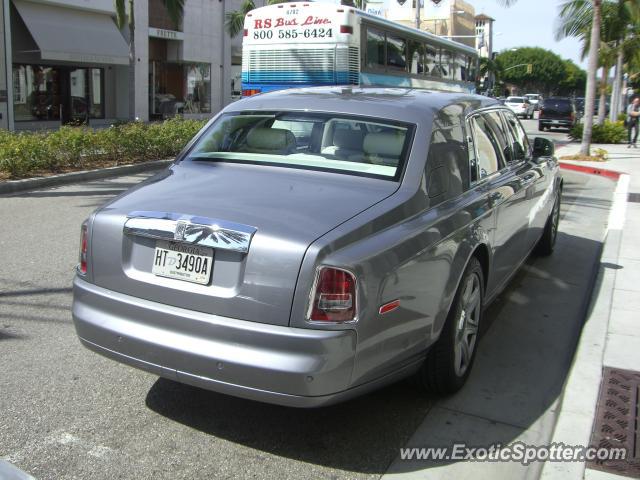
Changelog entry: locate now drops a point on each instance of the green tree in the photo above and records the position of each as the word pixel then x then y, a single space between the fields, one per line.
pixel 574 80
pixel 125 14
pixel 548 69
pixel 491 70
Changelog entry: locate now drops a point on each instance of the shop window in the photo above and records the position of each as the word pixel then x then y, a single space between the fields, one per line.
pixel 46 93
pixel 179 88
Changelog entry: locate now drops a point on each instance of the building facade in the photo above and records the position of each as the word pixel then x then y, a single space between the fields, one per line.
pixel 447 18
pixel 68 63
pixel 484 35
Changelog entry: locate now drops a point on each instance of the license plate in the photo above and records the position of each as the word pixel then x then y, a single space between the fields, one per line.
pixel 555 121
pixel 179 261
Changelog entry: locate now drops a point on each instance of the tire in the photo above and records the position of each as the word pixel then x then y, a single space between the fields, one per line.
pixel 447 366
pixel 548 239
pixel 540 128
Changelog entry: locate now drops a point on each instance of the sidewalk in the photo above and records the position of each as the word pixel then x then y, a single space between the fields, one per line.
pixel 611 334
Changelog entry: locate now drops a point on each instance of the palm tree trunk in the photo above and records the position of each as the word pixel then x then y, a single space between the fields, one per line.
pixel 132 63
pixel 602 106
pixel 617 87
pixel 585 146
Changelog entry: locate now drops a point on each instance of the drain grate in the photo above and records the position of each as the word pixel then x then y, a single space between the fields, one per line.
pixel 633 197
pixel 616 423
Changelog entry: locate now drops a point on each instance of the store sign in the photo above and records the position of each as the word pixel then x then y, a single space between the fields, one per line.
pixel 166 34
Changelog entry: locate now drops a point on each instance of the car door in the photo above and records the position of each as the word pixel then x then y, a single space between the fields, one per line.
pixel 534 177
pixel 497 174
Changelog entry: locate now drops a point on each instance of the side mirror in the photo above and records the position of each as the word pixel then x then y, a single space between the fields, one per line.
pixel 543 147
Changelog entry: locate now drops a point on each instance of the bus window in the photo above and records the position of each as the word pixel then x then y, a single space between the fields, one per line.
pixel 430 61
pixel 444 63
pixel 375 48
pixel 396 53
pixel 416 57
pixel 461 66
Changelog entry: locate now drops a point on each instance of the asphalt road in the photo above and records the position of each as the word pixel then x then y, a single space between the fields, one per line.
pixel 68 413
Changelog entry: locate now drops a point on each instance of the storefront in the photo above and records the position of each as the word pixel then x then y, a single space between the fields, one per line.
pixel 62 59
pixel 175 87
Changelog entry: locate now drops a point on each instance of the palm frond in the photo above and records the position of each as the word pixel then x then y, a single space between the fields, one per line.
pixel 121 12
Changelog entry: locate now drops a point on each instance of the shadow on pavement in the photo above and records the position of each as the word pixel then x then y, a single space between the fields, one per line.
pixel 361 435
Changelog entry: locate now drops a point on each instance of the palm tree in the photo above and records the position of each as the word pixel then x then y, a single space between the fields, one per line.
pixel 592 64
pixel 490 68
pixel 234 21
pixel 125 14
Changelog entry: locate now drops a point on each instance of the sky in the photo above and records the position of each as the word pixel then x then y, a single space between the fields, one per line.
pixel 529 23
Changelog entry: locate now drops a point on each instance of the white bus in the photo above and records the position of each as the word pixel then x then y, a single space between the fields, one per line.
pixel 307 44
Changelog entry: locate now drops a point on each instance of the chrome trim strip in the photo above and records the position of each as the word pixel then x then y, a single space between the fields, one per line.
pixel 180 227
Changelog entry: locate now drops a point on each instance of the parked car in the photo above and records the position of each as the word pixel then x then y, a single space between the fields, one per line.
pixel 311 245
pixel 557 112
pixel 520 106
pixel 534 99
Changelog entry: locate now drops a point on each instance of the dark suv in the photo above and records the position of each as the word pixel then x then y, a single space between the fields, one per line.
pixel 557 112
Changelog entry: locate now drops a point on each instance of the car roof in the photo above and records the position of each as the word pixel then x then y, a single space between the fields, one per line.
pixel 402 104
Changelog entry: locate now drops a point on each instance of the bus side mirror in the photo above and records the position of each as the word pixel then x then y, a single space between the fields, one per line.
pixel 543 147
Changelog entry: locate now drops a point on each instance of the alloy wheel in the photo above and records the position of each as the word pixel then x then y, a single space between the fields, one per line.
pixel 467 324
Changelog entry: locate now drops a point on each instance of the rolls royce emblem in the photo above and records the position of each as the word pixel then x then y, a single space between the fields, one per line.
pixel 181 226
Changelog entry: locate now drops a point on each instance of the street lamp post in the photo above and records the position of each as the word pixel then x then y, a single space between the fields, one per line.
pixel 418 14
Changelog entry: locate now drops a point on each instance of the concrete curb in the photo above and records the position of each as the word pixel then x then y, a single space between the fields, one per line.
pixel 578 403
pixel 15 186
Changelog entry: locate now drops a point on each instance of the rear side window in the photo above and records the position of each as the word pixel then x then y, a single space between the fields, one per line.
pixel 487 145
pixel 520 147
pixel 447 169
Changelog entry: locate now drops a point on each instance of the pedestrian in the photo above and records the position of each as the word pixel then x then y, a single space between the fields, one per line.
pixel 633 112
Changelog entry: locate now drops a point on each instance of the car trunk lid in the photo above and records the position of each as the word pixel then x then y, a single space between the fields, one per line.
pixel 278 212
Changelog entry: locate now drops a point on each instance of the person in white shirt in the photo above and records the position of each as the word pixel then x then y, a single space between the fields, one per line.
pixel 633 112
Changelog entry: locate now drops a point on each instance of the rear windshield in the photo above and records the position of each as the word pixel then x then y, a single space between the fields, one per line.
pixel 317 141
pixel 515 100
pixel 558 103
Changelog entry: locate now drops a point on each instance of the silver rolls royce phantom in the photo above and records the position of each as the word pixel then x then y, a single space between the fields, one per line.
pixel 310 245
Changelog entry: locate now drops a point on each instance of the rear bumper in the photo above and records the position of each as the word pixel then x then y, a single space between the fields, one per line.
pixel 269 363
pixel 555 122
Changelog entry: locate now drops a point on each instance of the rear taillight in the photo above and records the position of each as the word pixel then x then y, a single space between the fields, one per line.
pixel 82 266
pixel 334 296
pixel 250 91
pixel 346 29
pixel 245 32
pixel 541 113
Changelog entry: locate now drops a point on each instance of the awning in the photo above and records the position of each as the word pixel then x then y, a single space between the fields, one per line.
pixel 71 35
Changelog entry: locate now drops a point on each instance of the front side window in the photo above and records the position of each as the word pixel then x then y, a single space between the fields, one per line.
pixel 521 149
pixel 375 48
pixel 316 141
pixel 487 146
